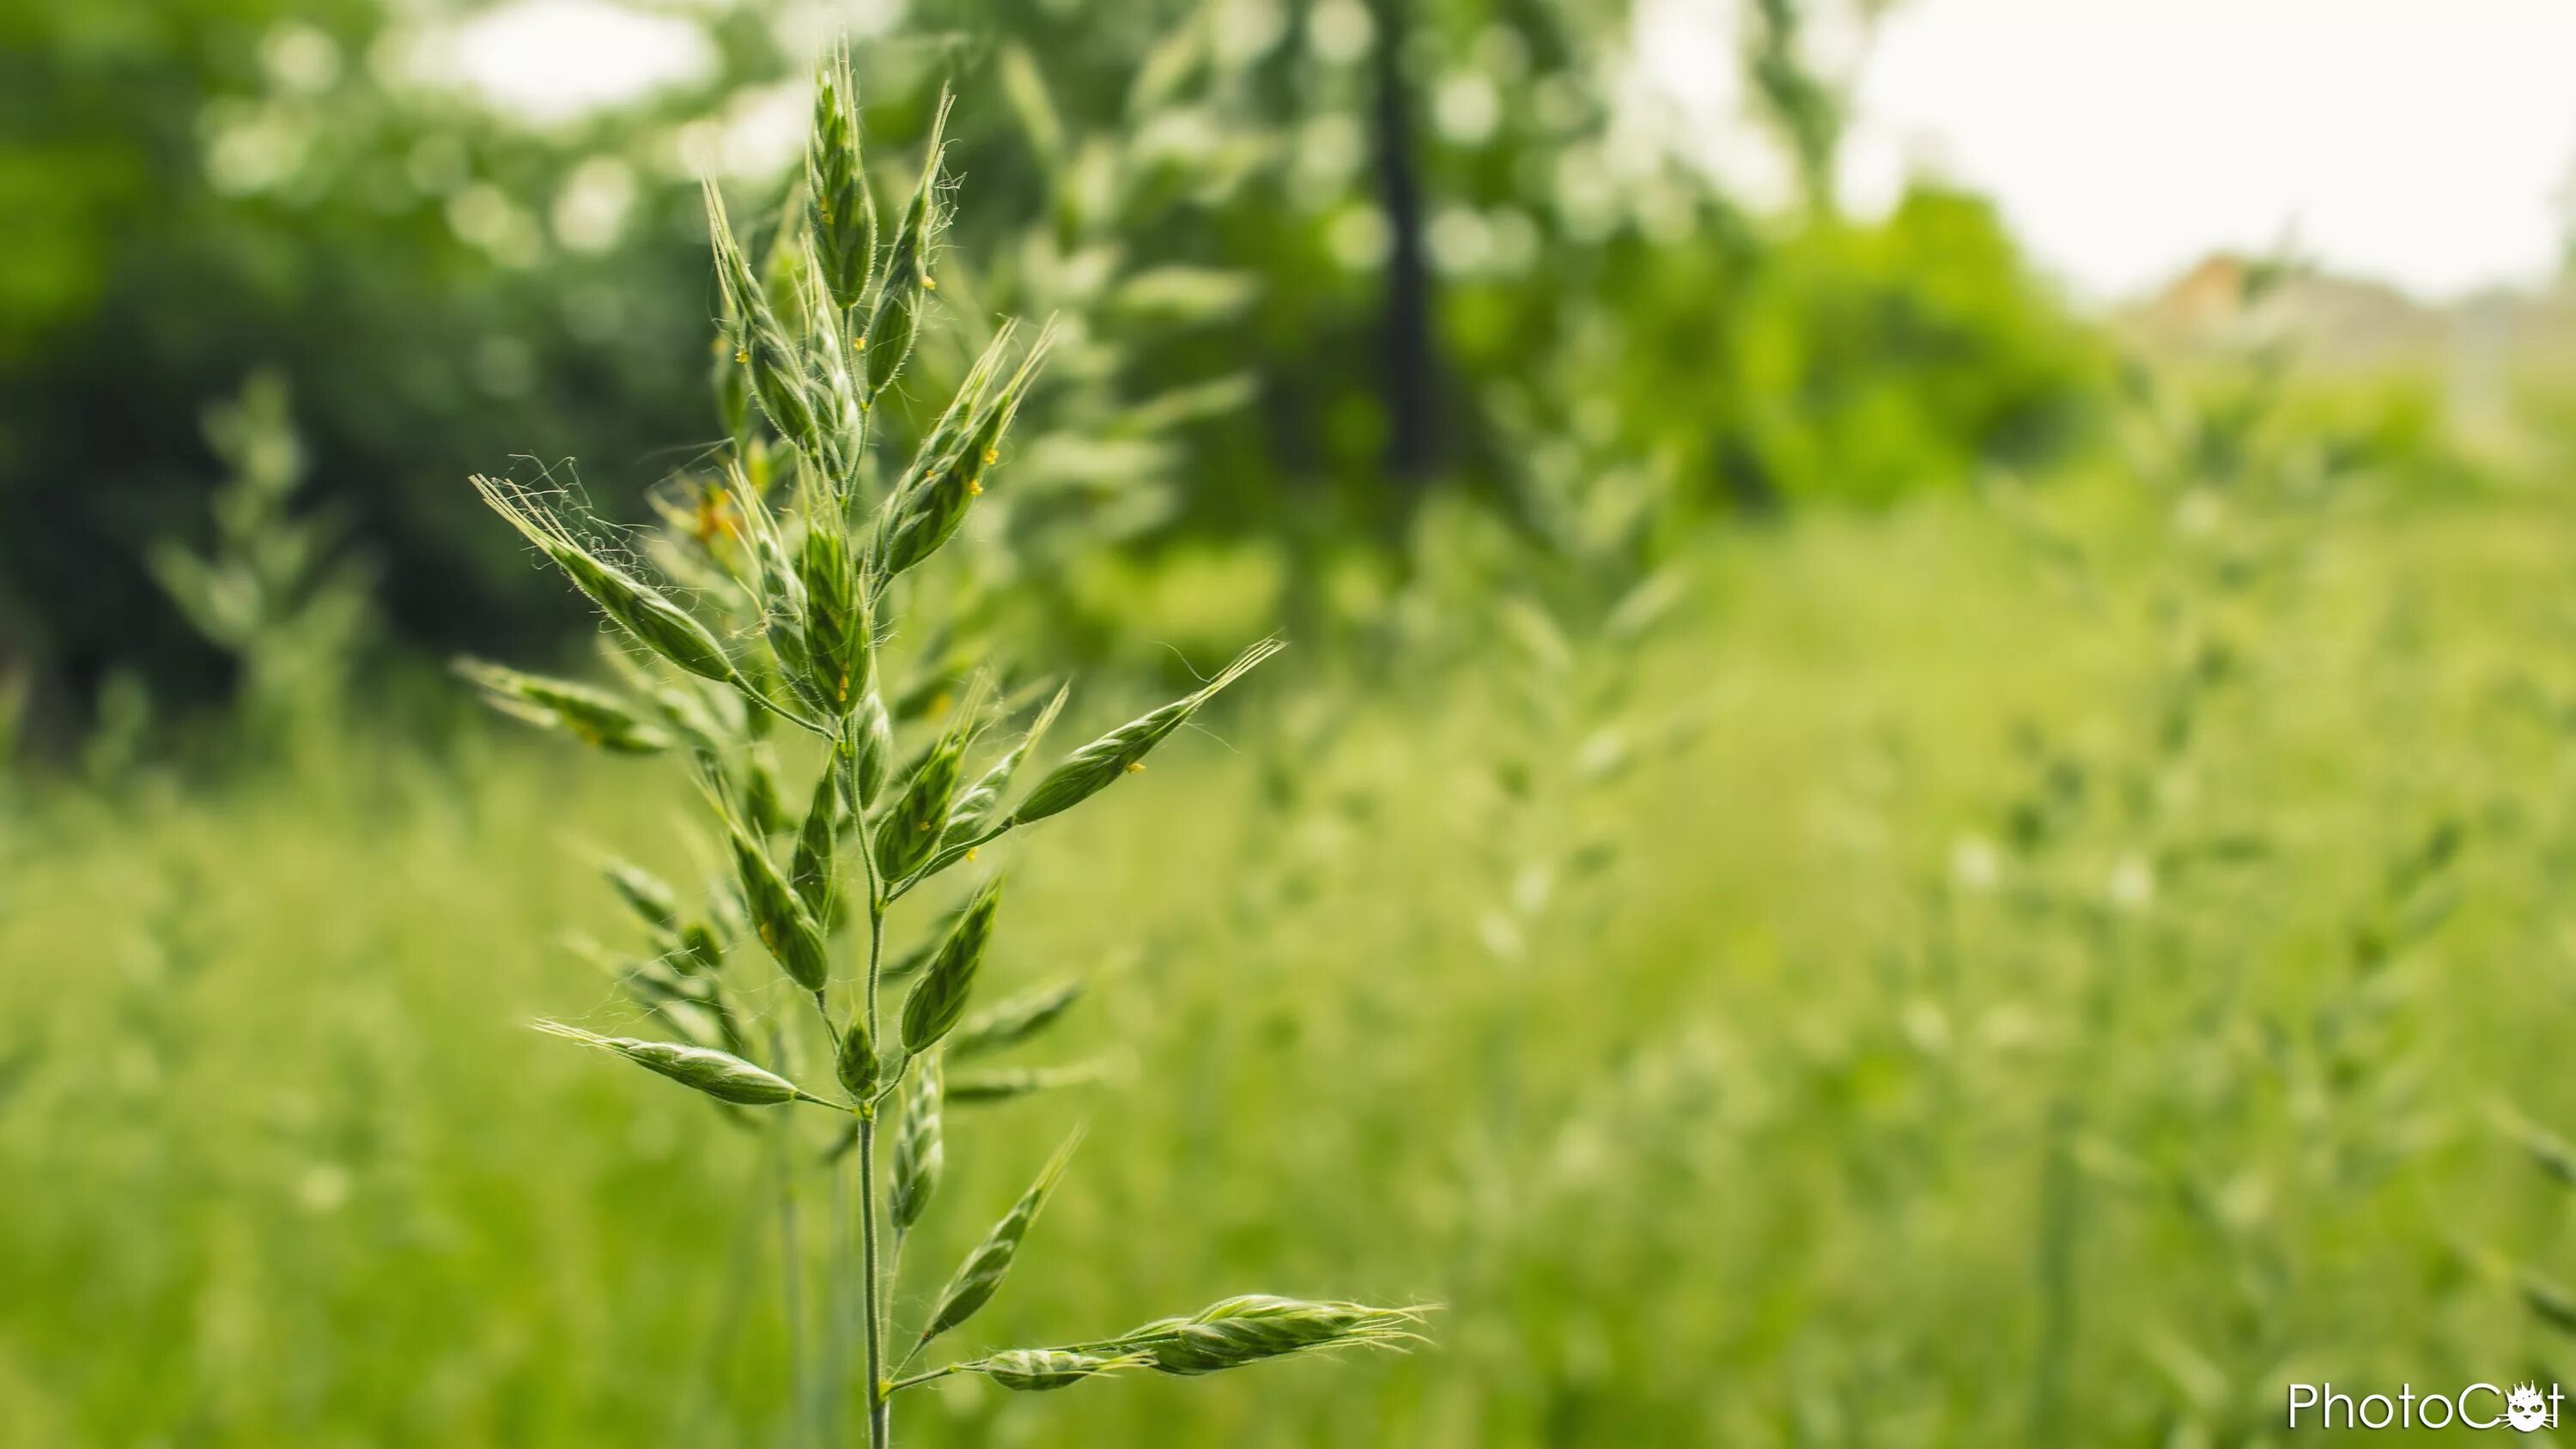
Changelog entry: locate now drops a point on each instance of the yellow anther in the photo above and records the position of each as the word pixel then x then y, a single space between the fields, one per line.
pixel 1135 767
pixel 974 489
pixel 930 284
pixel 742 354
pixel 971 852
pixel 992 456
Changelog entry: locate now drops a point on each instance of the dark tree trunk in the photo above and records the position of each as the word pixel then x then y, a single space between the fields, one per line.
pixel 1408 385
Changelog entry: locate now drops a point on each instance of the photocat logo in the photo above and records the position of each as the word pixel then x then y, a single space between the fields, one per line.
pixel 2479 1406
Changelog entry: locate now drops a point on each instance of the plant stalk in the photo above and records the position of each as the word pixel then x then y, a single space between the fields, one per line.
pixel 880 1411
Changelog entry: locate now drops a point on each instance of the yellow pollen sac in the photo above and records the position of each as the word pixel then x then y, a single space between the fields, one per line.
pixel 971 852
pixel 992 456
pixel 930 284
pixel 974 489
pixel 742 354
pixel 1135 767
pixel 857 342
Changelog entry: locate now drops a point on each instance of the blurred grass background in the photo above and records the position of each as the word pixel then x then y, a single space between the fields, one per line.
pixel 2050 934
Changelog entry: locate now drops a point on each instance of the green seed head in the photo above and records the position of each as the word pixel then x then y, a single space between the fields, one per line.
pixel 656 622
pixel 778 918
pixel 895 319
pixel 761 343
pixel 981 1275
pixel 839 628
pixel 814 871
pixel 1094 767
pixel 1248 1329
pixel 1014 1020
pixel 913 826
pixel 856 1061
pixel 592 716
pixel 975 808
pixel 938 1000
pixel 646 894
pixel 918 1151
pixel 1036 1370
pixel 720 1075
pixel 841 214
pixel 872 749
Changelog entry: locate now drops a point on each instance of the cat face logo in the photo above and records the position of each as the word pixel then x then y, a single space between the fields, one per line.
pixel 2525 1409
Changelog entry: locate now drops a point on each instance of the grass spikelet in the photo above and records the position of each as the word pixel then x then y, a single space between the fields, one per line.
pixel 1094 767
pixel 976 807
pixel 981 1275
pixel 902 287
pixel 841 212
pixel 761 343
pixel 778 917
pixel 656 622
pixel 993 1085
pixel 919 1150
pixel 721 1075
pixel 1014 1020
pixel 1259 1326
pixel 593 716
pixel 1037 1370
pixel 646 894
pixel 938 1000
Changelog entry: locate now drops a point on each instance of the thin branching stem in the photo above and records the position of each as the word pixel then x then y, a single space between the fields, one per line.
pixel 880 1412
pixel 926 1376
pixel 947 856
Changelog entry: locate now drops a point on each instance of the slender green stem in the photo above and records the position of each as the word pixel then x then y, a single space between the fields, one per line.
pixel 790 1269
pixel 880 1412
pixel 947 857
pixel 899 1385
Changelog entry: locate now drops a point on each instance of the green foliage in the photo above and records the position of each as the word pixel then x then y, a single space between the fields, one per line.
pixel 1931 939
pixel 820 576
pixel 272 592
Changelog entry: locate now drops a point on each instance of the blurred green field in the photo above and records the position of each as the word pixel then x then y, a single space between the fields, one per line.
pixel 2093 966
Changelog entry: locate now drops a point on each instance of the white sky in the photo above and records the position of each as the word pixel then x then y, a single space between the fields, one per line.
pixel 2424 142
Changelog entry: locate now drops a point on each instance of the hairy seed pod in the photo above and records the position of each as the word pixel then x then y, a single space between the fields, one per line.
pixel 1014 1020
pixel 778 918
pixel 975 808
pixel 720 1075
pixel 656 622
pixel 872 750
pixel 1246 1330
pixel 947 473
pixel 980 1276
pixel 812 872
pixel 919 1152
pixel 841 213
pixel 912 826
pixel 856 1061
pixel 732 387
pixel 1091 769
pixel 896 318
pixel 646 894
pixel 1036 1370
pixel 1008 1084
pixel 839 630
pixel 763 808
pixel 761 344
pixel 592 716
pixel 938 1000
pixel 701 947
